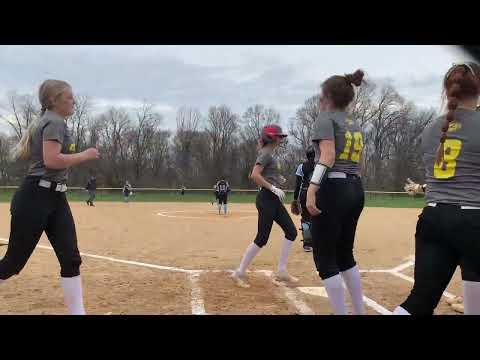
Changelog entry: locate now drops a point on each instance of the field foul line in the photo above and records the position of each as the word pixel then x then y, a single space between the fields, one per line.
pixel 291 295
pixel 197 303
pixel 129 262
pixel 410 279
pixel 376 306
pixel 403 266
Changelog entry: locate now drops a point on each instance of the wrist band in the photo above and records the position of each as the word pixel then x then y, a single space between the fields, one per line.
pixel 318 174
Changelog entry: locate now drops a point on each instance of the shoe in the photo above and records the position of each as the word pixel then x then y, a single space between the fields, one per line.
pixel 240 280
pixel 88 203
pixel 458 308
pixel 307 248
pixel 285 277
pixel 455 300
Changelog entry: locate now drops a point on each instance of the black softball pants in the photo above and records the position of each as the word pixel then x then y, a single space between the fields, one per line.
pixel 333 231
pixel 271 209
pixel 35 209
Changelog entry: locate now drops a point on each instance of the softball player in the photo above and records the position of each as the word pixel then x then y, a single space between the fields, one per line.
pixel 40 203
pixel 298 206
pixel 222 188
pixel 447 233
pixel 335 196
pixel 91 188
pixel 127 191
pixel 266 174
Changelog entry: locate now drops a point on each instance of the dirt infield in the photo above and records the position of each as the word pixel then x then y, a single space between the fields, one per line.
pixel 175 258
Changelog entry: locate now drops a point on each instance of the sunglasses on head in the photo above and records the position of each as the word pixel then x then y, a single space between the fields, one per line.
pixel 468 65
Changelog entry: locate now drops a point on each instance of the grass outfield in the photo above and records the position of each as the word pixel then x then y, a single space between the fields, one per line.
pixel 372 200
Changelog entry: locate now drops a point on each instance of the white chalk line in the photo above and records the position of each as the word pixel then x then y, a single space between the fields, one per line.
pixel 159 267
pixel 410 279
pixel 216 216
pixel 290 294
pixel 403 266
pixel 197 303
pixel 300 305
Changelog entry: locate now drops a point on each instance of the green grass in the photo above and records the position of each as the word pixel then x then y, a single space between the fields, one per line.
pixel 372 200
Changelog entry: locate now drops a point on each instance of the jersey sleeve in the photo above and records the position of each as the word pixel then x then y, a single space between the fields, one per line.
pixel 54 130
pixel 264 159
pixel 323 128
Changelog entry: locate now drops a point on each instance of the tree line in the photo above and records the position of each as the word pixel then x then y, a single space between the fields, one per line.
pixel 135 146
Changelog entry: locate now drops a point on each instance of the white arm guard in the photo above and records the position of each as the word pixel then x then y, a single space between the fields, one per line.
pixel 318 174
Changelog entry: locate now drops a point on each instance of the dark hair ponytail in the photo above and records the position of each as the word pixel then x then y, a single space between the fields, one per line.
pixel 340 90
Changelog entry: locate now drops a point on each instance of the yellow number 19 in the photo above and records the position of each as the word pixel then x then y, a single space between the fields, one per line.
pixel 446 169
pixel 357 146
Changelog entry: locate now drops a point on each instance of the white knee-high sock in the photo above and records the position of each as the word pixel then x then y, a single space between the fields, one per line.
pixel 282 264
pixel 250 253
pixel 471 297
pixel 400 311
pixel 351 277
pixel 336 294
pixel 72 289
pixel 219 207
pixel 225 209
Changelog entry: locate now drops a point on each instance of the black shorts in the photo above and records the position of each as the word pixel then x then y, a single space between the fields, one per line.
pixel 222 198
pixel 446 237
pixel 333 231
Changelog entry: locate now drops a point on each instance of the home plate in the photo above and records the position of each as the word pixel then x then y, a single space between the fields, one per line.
pixel 314 290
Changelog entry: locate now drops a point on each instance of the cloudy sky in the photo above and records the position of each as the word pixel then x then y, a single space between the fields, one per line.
pixel 282 77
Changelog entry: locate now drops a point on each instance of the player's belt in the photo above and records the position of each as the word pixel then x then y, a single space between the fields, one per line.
pixel 340 175
pixel 433 204
pixel 52 185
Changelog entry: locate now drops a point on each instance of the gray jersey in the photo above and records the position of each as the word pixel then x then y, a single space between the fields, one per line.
pixel 50 127
pixel 457 179
pixel 338 126
pixel 271 167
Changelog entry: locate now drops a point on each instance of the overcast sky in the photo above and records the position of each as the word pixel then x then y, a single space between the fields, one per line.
pixel 282 77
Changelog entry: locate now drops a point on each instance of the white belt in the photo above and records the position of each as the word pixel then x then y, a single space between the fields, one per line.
pixel 432 204
pixel 337 175
pixel 48 185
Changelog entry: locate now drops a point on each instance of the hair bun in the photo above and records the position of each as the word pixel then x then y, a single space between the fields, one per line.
pixel 355 78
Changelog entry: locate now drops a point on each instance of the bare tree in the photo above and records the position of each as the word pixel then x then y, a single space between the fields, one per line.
pixel 302 125
pixel 22 110
pixel 188 121
pixel 113 126
pixel 147 124
pixel 221 128
pixel 79 121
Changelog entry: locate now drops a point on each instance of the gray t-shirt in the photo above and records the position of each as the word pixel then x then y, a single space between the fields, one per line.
pixel 338 126
pixel 457 180
pixel 50 127
pixel 271 167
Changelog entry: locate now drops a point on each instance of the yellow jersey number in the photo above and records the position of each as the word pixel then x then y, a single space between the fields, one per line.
pixel 357 140
pixel 446 169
